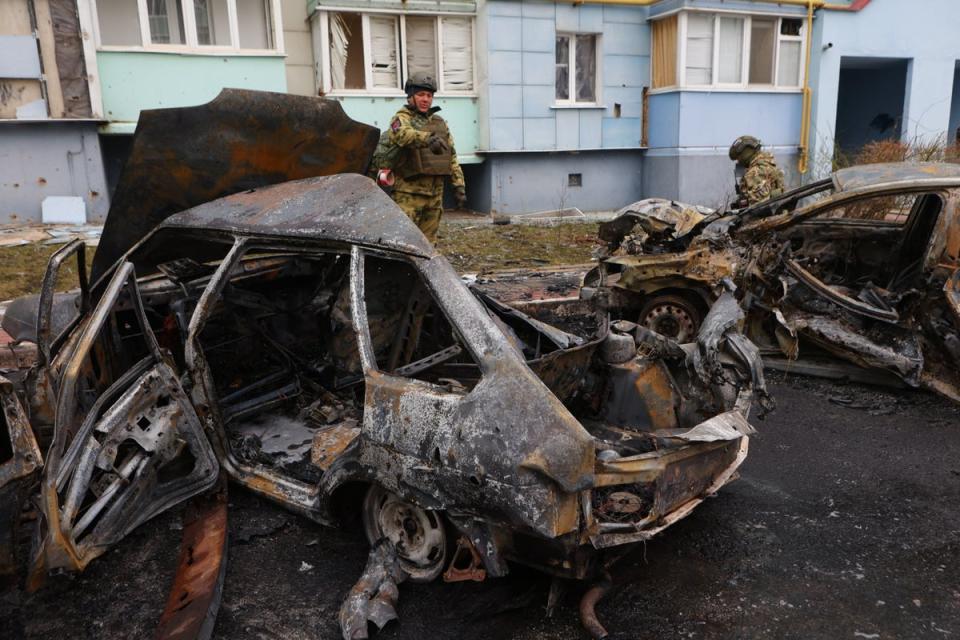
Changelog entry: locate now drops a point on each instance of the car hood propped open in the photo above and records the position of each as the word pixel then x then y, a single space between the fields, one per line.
pixel 183 157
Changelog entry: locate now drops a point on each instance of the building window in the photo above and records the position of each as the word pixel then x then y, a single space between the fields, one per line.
pixel 375 53
pixel 727 51
pixel 166 21
pixel 576 68
pixel 212 26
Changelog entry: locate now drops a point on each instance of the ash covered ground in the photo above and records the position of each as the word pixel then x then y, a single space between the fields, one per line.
pixel 845 524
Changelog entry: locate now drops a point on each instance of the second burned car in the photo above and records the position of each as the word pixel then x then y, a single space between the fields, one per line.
pixel 862 266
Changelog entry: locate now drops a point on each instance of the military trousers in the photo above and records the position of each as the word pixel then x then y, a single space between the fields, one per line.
pixel 424 209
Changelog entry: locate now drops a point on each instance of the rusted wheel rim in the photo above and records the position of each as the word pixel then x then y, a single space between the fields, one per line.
pixel 417 534
pixel 671 320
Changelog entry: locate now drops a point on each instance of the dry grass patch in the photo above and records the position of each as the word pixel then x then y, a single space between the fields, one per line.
pixel 488 247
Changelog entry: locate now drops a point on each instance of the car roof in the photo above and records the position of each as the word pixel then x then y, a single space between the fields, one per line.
pixel 896 173
pixel 346 208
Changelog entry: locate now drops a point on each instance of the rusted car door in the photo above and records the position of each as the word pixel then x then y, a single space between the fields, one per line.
pixel 127 443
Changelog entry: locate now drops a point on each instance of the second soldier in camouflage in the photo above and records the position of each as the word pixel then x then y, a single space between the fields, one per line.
pixel 762 179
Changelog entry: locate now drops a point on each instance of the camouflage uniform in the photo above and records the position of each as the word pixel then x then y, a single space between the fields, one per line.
pixel 419 172
pixel 762 179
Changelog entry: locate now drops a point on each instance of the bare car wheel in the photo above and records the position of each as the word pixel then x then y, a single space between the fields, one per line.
pixel 418 535
pixel 671 316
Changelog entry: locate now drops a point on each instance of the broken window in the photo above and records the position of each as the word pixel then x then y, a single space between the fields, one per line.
pixel 282 353
pixel 893 209
pixel 744 51
pixel 410 335
pixel 457 53
pixel 791 46
pixel 346 51
pixel 874 241
pixel 421 32
pixel 377 52
pixel 355 38
pixel 234 24
pixel 384 68
pixel 576 68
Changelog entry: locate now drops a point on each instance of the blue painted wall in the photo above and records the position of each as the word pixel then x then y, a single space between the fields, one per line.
pixel 923 32
pixel 714 119
pixel 520 113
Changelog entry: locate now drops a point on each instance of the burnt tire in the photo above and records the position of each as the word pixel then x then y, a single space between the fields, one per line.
pixel 671 315
pixel 419 535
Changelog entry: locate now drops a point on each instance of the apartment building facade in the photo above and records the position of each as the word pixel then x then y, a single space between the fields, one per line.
pixel 553 104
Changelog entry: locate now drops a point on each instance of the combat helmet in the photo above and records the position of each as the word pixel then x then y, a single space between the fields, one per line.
pixel 420 81
pixel 742 145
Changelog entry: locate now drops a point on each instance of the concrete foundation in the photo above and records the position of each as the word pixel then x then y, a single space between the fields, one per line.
pixel 528 182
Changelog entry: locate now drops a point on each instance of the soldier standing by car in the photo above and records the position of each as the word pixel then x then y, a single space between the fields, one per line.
pixel 426 158
pixel 762 179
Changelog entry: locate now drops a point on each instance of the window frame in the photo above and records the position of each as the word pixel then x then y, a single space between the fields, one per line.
pixel 744 85
pixel 361 320
pixel 321 42
pixel 191 44
pixel 572 101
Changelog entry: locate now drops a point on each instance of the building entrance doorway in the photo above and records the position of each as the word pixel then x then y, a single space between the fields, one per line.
pixel 870 102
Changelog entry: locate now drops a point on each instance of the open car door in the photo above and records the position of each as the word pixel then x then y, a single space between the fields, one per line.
pixel 127 443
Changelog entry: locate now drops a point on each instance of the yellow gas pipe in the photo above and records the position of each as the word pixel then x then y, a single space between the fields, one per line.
pixel 803 158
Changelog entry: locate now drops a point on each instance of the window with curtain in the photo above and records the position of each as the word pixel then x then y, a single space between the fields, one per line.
pixel 664 52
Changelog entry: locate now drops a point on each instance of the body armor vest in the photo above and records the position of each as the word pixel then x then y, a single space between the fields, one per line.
pixel 422 161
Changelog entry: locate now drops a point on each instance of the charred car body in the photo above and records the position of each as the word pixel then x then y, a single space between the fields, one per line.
pixel 863 265
pixel 306 340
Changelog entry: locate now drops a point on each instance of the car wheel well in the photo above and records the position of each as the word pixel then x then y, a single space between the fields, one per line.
pixel 346 503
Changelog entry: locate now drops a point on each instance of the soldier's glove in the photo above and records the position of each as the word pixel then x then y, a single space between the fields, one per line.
pixel 460 195
pixel 436 144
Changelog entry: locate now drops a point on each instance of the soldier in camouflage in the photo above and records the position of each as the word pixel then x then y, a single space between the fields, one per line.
pixel 426 157
pixel 762 179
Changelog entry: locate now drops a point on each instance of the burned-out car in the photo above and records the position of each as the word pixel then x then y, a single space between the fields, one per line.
pixel 306 341
pixel 862 266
